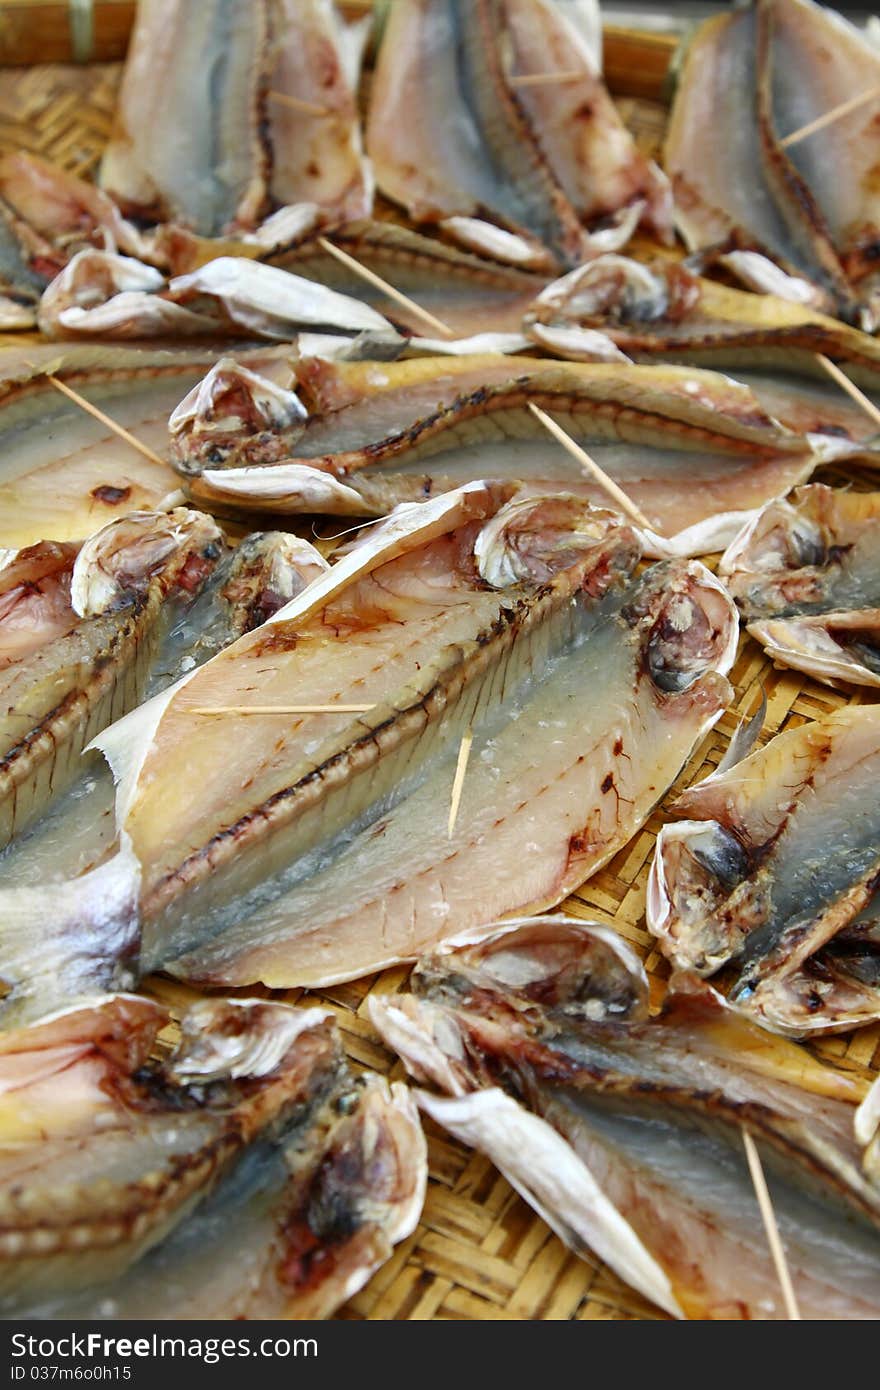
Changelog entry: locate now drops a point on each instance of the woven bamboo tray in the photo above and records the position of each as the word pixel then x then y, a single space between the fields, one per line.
pixel 479 1251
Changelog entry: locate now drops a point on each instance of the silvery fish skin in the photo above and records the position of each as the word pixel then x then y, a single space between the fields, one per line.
pixel 186 144
pixel 804 574
pixel 63 473
pixel 378 435
pixel 745 191
pixel 480 156
pixel 643 1117
pixel 85 665
pixel 246 587
pixel 665 311
pixel 805 85
pixel 744 881
pixel 252 1125
pixel 332 856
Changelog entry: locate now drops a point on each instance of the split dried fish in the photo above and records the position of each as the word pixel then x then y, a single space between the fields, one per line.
pixel 317 848
pixel 246 587
pixel 805 575
pixel 745 881
pixel 220 145
pixel 694 450
pixel 124 1179
pixel 317 155
pixel 467 292
pixel 757 74
pixel 63 473
pixel 625 1131
pixel 76 630
pixel 454 142
pixel 665 311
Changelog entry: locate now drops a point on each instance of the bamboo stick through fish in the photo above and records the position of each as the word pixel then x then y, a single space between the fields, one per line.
pixel 617 495
pixel 829 117
pixel 849 387
pixel 464 753
pixel 378 283
pixel 768 1216
pixel 282 709
pixel 537 79
pixel 310 108
pixel 105 419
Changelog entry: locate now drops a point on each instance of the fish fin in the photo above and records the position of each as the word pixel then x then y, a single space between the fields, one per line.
pixel 746 736
pixel 546 1171
pixel 92 931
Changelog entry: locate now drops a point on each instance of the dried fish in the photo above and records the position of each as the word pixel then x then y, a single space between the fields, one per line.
pixel 331 857
pixel 92 620
pixel 186 145
pixel 465 291
pixel 101 295
pixel 317 155
pixel 805 575
pixel 665 311
pixel 258 108
pixel 456 141
pixel 694 450
pixel 245 588
pixel 740 190
pixel 64 474
pixel 624 1131
pixel 253 1129
pixel 446 135
pixel 745 879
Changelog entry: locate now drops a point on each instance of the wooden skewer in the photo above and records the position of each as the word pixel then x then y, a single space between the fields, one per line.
pixel 281 709
pixel 768 1216
pixel 436 325
pixel 849 387
pixel 617 495
pixel 834 114
pixel 464 752
pixel 177 498
pixel 310 108
pixel 540 79
pixel 105 419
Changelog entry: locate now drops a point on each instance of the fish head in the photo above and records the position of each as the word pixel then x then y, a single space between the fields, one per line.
pixel 686 623
pixel 533 538
pixel 230 406
pixel 617 290
pixel 121 560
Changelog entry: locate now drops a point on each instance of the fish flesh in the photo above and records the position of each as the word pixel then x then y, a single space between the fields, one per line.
pixel 317 848
pixel 317 154
pixel 126 1174
pixel 257 109
pixel 741 191
pixel 694 450
pixel 511 170
pixel 448 138
pixel 624 1130
pixel 838 162
pixel 744 882
pixel 663 310
pixel 804 574
pixel 246 587
pixel 76 630
pixel 578 127
pixel 64 474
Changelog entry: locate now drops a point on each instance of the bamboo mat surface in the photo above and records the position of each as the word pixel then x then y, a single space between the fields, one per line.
pixel 479 1251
